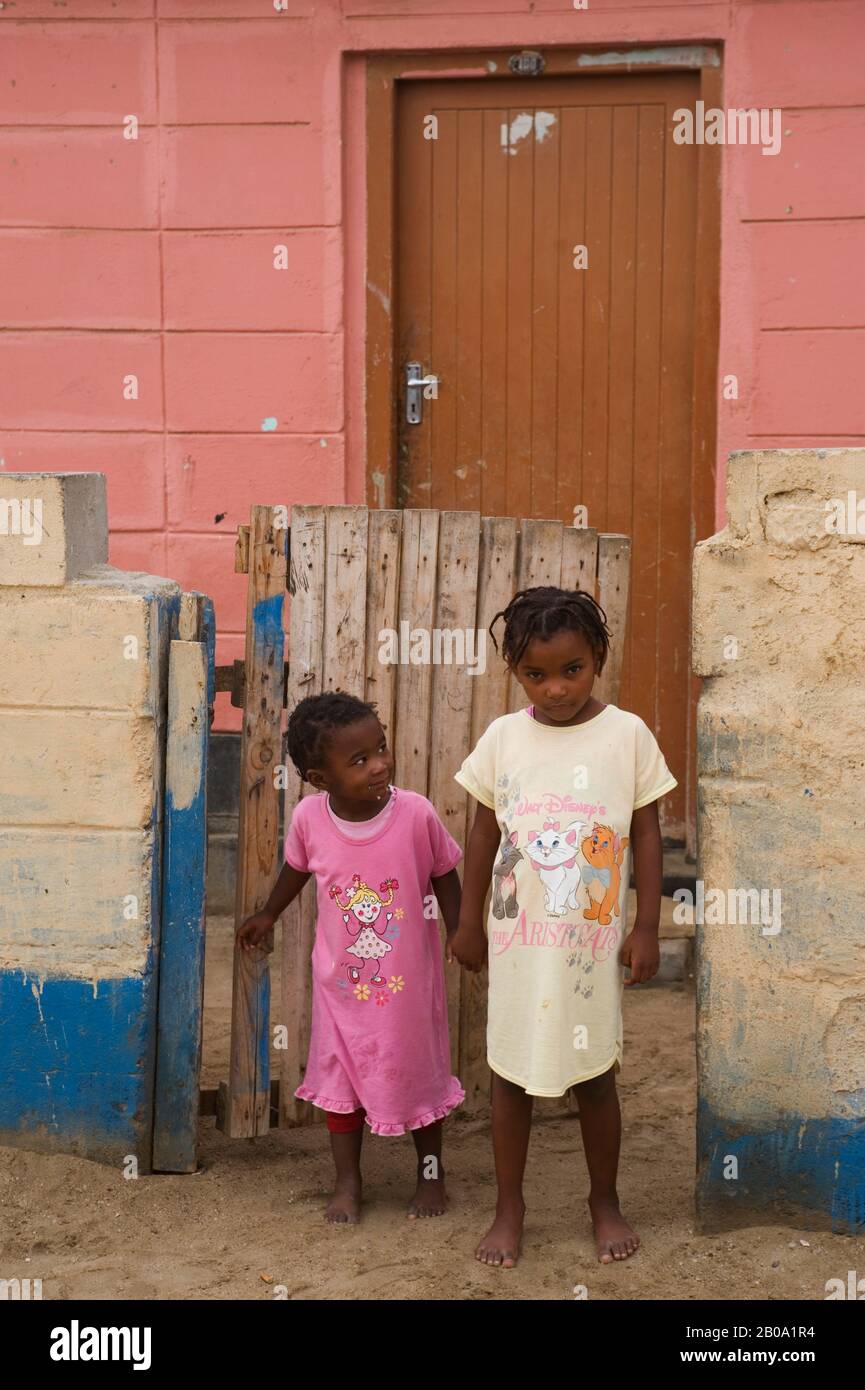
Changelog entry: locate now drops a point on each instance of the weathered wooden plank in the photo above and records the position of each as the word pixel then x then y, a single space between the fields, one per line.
pixel 345 600
pixel 595 391
pixel 449 721
pixel 494 316
pixel 573 292
pixel 181 946
pixel 417 581
pixel 468 456
pixel 246 1107
pixel 547 256
pixel 208 636
pixel 190 616
pixel 382 601
pixel 614 574
pixel 497 568
pixel 241 551
pixel 540 562
pixel 519 220
pixel 580 559
pixel 444 310
pixel 306 639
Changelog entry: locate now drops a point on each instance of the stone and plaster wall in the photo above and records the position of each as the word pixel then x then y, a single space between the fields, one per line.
pixel 82 734
pixel 779 636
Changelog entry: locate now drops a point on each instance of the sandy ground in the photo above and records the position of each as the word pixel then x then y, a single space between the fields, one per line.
pixel 255 1209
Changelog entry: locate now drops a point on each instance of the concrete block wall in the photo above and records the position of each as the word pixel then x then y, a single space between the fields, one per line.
pixel 779 636
pixel 82 735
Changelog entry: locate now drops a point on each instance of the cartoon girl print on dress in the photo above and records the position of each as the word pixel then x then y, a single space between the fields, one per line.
pixel 361 913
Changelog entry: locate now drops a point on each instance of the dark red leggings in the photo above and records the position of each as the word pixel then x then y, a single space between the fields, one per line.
pixel 344 1124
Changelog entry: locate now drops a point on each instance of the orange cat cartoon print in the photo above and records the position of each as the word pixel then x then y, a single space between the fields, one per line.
pixel 604 850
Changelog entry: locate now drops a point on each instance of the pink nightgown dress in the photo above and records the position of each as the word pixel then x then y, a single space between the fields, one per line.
pixel 379 1036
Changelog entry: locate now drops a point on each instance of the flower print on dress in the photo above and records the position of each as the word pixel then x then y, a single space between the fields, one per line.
pixel 396 983
pixel 360 913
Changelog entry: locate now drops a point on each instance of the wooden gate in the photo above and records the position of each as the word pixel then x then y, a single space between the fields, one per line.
pixel 353 574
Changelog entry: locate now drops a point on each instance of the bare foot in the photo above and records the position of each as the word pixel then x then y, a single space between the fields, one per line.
pixel 430 1198
pixel 501 1244
pixel 344 1206
pixel 615 1238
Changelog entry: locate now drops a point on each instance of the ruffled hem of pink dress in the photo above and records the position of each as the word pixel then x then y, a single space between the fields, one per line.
pixel 429 1117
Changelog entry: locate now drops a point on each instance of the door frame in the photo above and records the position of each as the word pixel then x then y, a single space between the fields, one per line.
pixel 383 72
pixel 382 75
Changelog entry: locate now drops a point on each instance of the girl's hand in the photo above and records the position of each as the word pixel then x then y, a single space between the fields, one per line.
pixel 640 950
pixel 469 946
pixel 254 931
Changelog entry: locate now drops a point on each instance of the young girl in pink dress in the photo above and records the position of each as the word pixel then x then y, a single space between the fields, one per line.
pixel 379 1048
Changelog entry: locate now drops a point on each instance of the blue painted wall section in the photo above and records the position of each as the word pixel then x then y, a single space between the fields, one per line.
pixel 267 626
pixel 815 1169
pixel 77 1073
pixel 78 1056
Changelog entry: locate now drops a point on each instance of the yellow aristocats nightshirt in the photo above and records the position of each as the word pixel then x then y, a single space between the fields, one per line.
pixel 563 798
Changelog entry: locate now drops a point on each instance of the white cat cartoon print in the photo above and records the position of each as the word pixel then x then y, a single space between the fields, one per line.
pixel 554 854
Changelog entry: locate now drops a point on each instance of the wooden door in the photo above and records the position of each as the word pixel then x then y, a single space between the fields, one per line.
pixel 546 244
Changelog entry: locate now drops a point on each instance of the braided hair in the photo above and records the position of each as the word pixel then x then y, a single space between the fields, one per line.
pixel 314 719
pixel 542 612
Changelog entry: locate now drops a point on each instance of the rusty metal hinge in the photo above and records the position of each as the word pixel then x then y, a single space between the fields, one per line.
pixel 241 551
pixel 232 678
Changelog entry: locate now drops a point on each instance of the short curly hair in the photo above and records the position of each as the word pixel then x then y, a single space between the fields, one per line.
pixel 542 612
pixel 313 720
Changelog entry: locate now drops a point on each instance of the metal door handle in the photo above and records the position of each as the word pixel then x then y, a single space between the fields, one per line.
pixel 415 390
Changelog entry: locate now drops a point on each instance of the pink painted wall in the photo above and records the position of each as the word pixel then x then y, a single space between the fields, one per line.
pixel 154 256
